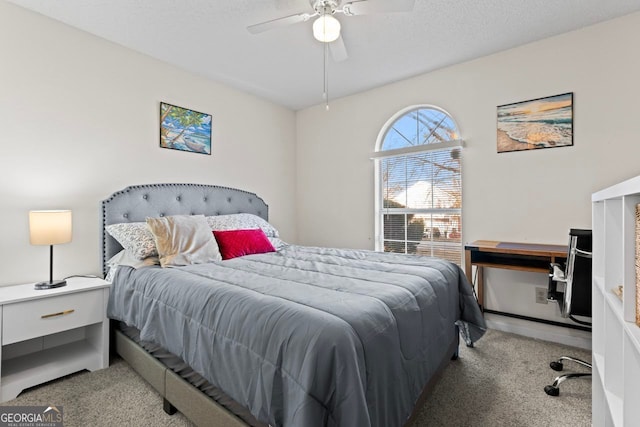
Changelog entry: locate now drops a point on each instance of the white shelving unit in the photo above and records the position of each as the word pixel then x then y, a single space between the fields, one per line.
pixel 616 337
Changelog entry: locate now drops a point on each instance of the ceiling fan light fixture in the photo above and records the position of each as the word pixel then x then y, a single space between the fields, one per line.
pixel 326 28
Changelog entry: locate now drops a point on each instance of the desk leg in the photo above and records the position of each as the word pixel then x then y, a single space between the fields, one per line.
pixel 468 270
pixel 467 266
pixel 480 285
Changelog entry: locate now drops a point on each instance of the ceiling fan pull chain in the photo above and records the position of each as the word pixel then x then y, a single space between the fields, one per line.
pixel 326 75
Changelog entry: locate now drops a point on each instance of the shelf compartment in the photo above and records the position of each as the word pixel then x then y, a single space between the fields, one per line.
pixel 597 220
pixel 614 304
pixel 629 257
pixel 46 365
pixel 599 282
pixel 598 404
pixel 633 333
pixel 598 366
pixel 632 373
pixel 598 326
pixel 613 272
pixel 613 351
pixel 615 404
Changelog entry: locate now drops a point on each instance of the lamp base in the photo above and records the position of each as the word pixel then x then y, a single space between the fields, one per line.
pixel 50 285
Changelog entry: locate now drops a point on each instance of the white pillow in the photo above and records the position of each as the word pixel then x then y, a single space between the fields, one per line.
pixel 135 237
pixel 184 240
pixel 241 221
pixel 124 257
pixel 277 243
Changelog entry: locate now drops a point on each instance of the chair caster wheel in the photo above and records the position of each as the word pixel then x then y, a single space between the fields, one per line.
pixel 556 366
pixel 551 390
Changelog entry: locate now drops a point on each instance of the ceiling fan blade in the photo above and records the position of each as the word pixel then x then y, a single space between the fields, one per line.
pixel 365 7
pixel 338 50
pixel 279 22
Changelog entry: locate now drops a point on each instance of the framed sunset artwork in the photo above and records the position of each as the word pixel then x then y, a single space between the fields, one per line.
pixel 537 123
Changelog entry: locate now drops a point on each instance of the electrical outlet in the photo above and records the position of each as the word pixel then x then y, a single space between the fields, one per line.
pixel 541 295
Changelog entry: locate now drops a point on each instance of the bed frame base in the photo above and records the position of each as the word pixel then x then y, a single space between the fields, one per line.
pixel 177 394
pixel 180 395
pixel 428 388
pixel 168 407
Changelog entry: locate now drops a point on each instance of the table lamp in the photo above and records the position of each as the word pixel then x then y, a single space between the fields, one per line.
pixel 50 228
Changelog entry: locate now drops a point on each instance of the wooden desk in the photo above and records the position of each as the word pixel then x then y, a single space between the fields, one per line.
pixel 511 256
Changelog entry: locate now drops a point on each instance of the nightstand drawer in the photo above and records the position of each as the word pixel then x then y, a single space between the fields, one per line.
pixel 29 319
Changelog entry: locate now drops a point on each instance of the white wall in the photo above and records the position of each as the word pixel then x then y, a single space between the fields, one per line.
pixel 533 196
pixel 79 119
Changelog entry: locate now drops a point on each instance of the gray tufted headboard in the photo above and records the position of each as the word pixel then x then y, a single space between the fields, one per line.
pixel 137 202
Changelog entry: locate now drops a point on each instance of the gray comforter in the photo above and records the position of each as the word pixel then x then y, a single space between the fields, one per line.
pixel 306 336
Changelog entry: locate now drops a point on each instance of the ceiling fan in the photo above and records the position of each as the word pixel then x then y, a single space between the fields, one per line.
pixel 326 28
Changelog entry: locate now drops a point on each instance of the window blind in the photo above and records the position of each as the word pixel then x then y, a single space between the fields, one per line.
pixel 421 203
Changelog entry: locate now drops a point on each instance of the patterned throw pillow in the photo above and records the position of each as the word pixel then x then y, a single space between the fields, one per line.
pixel 241 221
pixel 135 237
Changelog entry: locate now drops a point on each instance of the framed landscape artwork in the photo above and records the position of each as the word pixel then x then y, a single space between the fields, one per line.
pixel 184 129
pixel 537 123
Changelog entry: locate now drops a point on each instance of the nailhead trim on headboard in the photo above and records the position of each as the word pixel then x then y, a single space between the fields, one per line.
pixel 137 202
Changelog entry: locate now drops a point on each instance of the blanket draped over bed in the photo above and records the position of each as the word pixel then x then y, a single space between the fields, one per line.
pixel 306 336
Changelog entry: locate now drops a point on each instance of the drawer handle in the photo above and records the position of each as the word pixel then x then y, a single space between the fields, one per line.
pixel 62 313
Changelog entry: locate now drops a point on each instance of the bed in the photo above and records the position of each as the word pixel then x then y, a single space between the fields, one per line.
pixel 296 336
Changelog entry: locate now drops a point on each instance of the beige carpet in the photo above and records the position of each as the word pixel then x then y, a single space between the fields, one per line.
pixel 499 382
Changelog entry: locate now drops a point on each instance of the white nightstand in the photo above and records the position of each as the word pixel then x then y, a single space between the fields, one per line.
pixel 47 334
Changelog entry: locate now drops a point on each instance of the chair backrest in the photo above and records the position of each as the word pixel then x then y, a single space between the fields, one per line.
pixel 578 273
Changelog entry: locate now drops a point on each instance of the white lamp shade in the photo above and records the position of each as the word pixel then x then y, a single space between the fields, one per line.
pixel 49 227
pixel 326 29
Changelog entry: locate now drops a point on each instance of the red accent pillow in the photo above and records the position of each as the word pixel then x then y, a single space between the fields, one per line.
pixel 235 243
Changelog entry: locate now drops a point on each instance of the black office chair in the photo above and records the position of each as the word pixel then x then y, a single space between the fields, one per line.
pixel 573 296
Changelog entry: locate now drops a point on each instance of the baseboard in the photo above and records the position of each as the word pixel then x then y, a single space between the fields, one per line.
pixel 557 334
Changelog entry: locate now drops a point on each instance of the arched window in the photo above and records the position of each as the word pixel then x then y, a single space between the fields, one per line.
pixel 419 184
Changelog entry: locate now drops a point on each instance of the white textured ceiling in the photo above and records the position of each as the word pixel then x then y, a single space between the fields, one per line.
pixel 209 38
